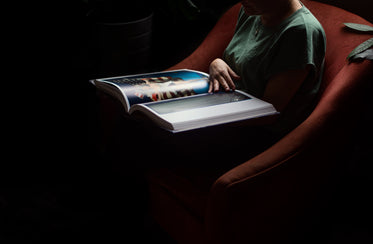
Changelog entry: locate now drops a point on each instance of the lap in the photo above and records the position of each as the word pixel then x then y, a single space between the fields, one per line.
pixel 140 146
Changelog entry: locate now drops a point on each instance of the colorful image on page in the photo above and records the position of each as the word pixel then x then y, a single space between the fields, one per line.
pixel 162 86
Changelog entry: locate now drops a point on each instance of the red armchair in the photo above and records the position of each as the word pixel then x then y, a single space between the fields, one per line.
pixel 271 197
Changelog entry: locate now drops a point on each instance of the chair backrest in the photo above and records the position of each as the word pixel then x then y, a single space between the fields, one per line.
pixel 362 8
pixel 340 41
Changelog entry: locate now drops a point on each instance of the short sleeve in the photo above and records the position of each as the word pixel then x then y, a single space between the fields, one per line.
pixel 294 50
pixel 298 47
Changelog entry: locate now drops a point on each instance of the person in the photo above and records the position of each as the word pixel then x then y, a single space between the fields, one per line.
pixel 276 54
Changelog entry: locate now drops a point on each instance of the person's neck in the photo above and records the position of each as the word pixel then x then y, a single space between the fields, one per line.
pixel 280 12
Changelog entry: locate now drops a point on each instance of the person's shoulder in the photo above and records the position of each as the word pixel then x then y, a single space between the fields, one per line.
pixel 307 20
pixel 243 16
pixel 244 19
pixel 304 23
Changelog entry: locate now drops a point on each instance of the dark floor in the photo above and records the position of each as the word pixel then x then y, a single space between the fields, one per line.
pixel 62 213
pixel 90 204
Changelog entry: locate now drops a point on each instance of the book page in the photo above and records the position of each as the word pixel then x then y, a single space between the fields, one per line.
pixel 201 101
pixel 159 86
pixel 204 110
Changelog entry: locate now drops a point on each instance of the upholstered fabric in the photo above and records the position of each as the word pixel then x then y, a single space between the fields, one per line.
pixel 340 41
pixel 271 197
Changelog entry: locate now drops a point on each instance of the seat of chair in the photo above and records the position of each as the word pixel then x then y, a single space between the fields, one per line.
pixel 189 186
pixel 179 199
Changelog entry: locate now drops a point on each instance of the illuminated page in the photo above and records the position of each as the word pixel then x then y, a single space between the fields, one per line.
pixel 154 87
pixel 206 110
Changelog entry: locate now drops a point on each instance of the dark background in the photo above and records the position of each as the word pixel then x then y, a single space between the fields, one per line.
pixel 55 184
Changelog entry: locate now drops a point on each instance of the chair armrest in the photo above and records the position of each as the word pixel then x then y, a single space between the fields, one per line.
pixel 213 45
pixel 275 192
pixel 280 190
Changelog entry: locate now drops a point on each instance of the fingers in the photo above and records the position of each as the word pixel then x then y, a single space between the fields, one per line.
pixel 224 81
pixel 227 82
pixel 221 76
pixel 233 74
pixel 214 85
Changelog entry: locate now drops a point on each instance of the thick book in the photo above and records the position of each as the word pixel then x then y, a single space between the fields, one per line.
pixel 179 100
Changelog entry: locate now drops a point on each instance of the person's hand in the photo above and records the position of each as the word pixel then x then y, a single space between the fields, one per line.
pixel 221 75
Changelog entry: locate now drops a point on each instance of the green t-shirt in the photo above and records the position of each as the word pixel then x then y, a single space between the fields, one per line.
pixel 257 52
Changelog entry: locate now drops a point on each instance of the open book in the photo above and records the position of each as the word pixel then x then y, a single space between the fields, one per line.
pixel 178 100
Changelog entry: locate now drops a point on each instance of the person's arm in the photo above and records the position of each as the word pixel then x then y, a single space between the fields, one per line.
pixel 279 90
pixel 282 87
